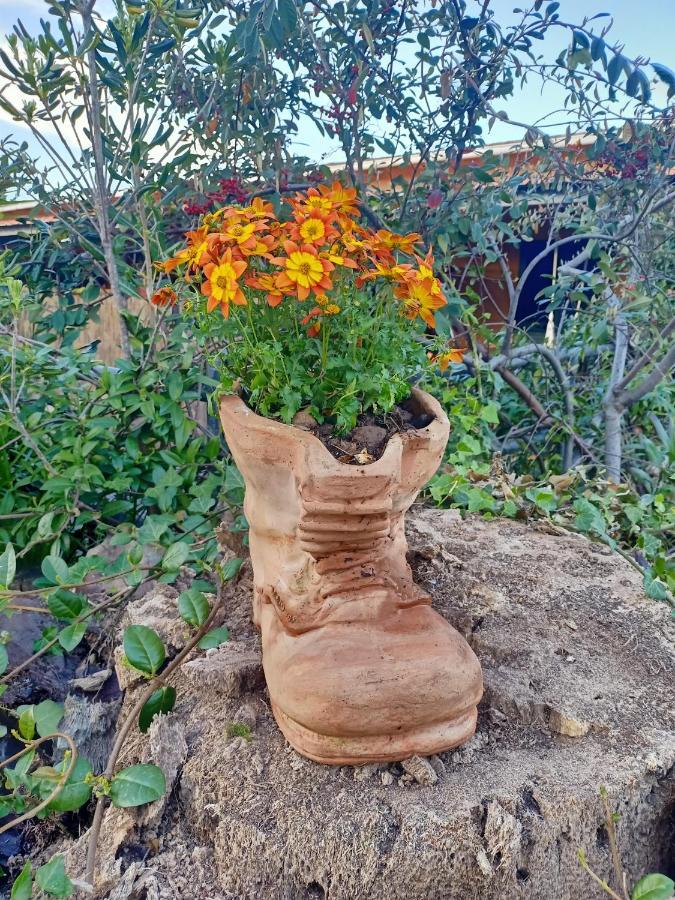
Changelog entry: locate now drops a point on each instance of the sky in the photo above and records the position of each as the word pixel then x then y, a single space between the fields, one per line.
pixel 646 27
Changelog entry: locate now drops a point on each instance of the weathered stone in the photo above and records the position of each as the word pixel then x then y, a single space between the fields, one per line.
pixel 421 770
pixel 91 724
pixel 91 683
pixel 570 726
pixel 514 805
pixel 127 676
pixel 230 670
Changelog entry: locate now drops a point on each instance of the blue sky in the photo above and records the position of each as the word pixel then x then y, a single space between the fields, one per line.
pixel 646 27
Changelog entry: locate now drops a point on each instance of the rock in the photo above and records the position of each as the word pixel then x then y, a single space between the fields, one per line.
pixel 91 683
pixel 502 834
pixel 513 807
pixel 303 419
pixel 91 724
pixel 363 773
pixel 437 765
pixel 231 670
pixel 167 749
pixel 372 437
pixel 421 770
pixel 127 676
pixel 567 725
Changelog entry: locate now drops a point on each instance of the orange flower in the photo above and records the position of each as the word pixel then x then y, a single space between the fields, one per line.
pixel 388 241
pixel 222 283
pixel 331 309
pixel 420 297
pixel 264 281
pixel 312 229
pixel 304 271
pixel 343 200
pixel 338 259
pixel 192 254
pixel 165 296
pixel 242 234
pixel 259 209
pixel 443 360
pixel 384 270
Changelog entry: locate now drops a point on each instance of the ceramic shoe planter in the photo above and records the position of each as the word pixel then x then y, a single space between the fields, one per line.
pixel 358 665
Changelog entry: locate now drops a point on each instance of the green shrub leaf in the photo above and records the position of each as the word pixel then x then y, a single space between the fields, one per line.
pixel 55 570
pixel 143 649
pixel 137 785
pixel 214 638
pixel 231 568
pixel 22 889
pixel 65 604
pixel 7 567
pixel 162 701
pixel 193 607
pixel 175 556
pixel 75 793
pixel 71 636
pixel 52 878
pixel 653 887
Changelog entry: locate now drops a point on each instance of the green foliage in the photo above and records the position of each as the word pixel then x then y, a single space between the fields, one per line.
pixel 653 887
pixel 137 785
pixel 162 700
pixel 52 878
pixel 143 649
pixel 214 638
pixel 238 729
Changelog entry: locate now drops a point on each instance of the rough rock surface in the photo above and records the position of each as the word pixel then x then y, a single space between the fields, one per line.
pixel 579 694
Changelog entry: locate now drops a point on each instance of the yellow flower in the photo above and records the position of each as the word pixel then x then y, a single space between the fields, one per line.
pixel 222 283
pixel 312 231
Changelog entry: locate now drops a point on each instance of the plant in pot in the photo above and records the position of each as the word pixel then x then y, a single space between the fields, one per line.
pixel 316 325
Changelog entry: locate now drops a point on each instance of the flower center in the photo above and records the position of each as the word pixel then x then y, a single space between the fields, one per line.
pixel 304 268
pixel 221 282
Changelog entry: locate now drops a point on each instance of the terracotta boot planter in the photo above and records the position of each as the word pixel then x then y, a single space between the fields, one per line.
pixel 359 666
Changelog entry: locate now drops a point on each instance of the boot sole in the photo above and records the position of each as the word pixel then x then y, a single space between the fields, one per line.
pixel 355 751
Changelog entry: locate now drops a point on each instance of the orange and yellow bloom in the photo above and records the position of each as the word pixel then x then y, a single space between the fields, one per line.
pixel 221 286
pixel 310 253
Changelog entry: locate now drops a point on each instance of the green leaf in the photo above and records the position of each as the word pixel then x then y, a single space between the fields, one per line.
pixel 137 785
pixel 65 604
pixel 4 659
pixel 654 588
pixel 55 570
pixel 143 649
pixel 162 701
pixel 653 887
pixel 482 176
pixel 214 638
pixel 71 636
pixel 490 413
pixel 52 878
pixel 44 716
pixel 75 793
pixel 588 518
pixel 175 556
pixel 26 723
pixel 193 607
pixel 7 567
pixel 231 568
pixel 22 889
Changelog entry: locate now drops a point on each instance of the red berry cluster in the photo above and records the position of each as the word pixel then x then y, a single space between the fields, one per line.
pixel 230 190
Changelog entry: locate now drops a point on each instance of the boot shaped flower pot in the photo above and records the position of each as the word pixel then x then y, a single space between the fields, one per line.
pixel 358 665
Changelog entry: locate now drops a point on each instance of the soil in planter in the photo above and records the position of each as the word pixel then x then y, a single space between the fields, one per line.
pixel 367 441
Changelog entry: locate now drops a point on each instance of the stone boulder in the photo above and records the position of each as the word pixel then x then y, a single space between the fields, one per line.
pixel 579 695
